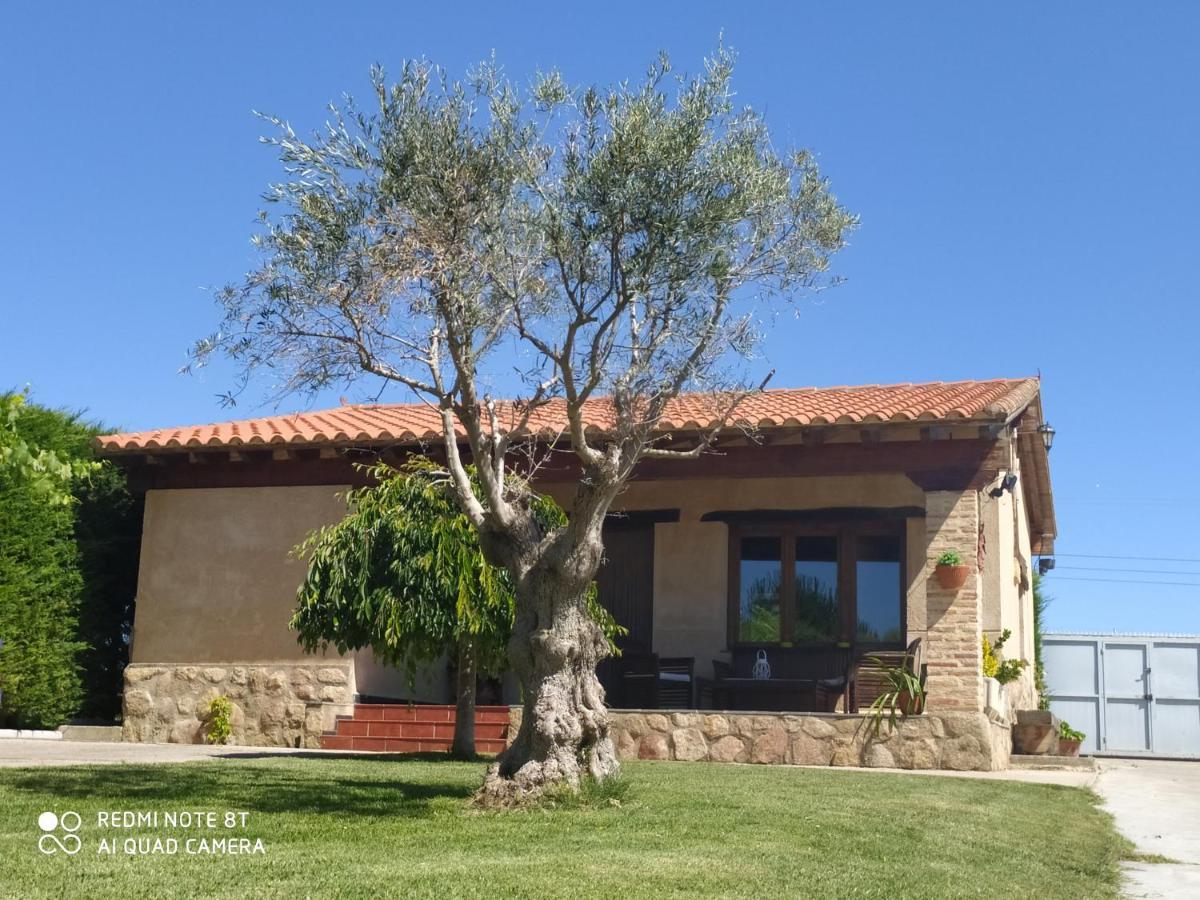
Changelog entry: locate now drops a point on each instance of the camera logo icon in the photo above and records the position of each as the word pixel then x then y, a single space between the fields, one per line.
pixel 59 833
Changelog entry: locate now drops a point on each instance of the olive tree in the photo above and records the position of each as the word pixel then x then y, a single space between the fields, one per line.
pixel 615 246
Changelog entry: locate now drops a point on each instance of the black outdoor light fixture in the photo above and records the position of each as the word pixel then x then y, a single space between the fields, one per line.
pixel 1007 483
pixel 1047 433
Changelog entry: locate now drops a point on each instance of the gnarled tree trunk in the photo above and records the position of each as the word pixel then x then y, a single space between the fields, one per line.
pixel 563 735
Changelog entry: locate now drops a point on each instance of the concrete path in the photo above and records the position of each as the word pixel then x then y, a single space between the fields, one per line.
pixel 88 753
pixel 1156 804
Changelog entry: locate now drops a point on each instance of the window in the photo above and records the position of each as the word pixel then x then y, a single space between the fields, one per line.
pixel 760 577
pixel 816 615
pixel 877 589
pixel 799 583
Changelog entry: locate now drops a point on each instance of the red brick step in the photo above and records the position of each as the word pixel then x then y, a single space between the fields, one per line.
pixel 405 728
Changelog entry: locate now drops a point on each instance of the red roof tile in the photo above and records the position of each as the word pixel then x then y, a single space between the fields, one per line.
pixel 985 401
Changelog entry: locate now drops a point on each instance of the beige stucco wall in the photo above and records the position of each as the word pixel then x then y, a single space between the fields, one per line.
pixel 1007 584
pixel 695 497
pixel 691 577
pixel 217 582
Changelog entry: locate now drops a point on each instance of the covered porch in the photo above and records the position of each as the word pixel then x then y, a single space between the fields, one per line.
pixel 773 610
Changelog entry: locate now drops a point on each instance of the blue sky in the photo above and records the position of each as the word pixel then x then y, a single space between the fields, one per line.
pixel 1026 175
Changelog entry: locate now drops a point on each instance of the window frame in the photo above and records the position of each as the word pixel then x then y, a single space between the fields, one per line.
pixel 847 534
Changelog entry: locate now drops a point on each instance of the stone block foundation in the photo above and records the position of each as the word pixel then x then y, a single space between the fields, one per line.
pixel 962 741
pixel 274 705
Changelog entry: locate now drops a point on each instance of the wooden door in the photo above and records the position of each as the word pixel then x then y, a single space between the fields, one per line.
pixel 626 580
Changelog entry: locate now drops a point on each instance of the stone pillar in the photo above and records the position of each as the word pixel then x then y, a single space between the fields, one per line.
pixel 954 618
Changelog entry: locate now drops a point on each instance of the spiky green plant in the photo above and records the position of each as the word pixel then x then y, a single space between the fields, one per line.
pixel 904 693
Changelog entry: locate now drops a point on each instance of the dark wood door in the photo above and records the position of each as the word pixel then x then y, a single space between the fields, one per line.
pixel 626 586
pixel 626 581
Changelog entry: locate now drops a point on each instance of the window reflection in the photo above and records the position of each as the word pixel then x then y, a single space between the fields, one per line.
pixel 879 589
pixel 816 609
pixel 761 574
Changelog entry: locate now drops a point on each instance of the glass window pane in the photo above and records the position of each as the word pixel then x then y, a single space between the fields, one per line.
pixel 816 589
pixel 879 590
pixel 760 577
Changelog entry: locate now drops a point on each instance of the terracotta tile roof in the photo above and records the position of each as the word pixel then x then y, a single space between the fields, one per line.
pixel 985 401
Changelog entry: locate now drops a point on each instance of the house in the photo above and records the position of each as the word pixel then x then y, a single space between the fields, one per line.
pixel 810 536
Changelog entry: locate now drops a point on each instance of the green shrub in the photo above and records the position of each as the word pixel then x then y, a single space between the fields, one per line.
pixel 40 588
pixel 1040 601
pixel 83 577
pixel 950 558
pixel 220 726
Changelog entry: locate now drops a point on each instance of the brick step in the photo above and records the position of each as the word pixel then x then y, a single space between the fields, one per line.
pixel 402 712
pixel 420 730
pixel 402 745
pixel 404 728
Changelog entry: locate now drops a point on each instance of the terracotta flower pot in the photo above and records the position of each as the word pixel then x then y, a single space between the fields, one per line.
pixel 951 578
pixel 1068 748
pixel 910 705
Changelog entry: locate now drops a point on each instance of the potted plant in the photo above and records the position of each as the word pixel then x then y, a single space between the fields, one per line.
pixel 903 694
pixel 999 672
pixel 951 571
pixel 1069 740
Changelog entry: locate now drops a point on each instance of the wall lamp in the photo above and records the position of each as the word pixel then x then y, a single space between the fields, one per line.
pixel 1006 484
pixel 1047 433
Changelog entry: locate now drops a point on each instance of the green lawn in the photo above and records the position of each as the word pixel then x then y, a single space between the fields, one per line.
pixel 384 827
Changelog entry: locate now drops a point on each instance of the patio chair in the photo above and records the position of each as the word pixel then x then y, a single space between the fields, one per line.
pixel 640 680
pixel 868 682
pixel 676 682
pixel 653 682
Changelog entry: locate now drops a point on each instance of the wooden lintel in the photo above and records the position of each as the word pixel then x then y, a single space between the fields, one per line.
pixel 935 433
pixel 993 431
pixel 870 434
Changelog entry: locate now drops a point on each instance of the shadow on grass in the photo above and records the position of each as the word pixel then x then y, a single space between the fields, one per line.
pixel 357 757
pixel 262 788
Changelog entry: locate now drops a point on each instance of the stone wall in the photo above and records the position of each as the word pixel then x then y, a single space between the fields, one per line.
pixel 274 704
pixel 960 741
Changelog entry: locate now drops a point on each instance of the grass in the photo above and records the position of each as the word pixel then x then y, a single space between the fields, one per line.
pixel 336 827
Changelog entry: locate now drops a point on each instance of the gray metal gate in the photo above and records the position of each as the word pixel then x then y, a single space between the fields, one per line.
pixel 1133 695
